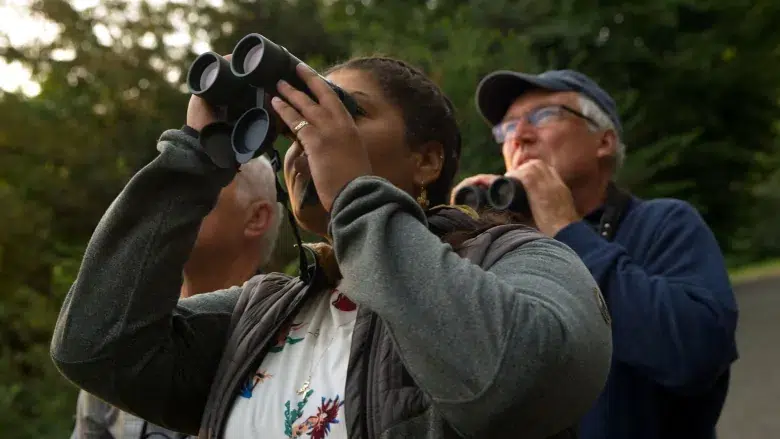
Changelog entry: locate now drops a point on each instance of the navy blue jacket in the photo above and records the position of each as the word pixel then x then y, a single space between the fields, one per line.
pixel 674 319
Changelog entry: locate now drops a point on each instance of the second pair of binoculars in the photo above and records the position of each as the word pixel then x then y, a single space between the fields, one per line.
pixel 240 89
pixel 504 194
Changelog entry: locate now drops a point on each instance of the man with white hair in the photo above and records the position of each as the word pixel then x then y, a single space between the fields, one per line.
pixel 235 240
pixel 239 235
pixel 657 263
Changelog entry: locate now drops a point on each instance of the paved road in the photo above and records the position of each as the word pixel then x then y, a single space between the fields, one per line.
pixel 752 408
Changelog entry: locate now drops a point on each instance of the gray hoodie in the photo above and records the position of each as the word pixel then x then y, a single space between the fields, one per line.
pixel 529 332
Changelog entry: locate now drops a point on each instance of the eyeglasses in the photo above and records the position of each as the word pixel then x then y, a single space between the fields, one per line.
pixel 537 117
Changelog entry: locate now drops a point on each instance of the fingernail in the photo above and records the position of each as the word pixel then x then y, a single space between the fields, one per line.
pixel 275 100
pixel 283 83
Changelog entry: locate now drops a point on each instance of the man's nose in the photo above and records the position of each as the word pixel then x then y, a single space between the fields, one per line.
pixel 523 134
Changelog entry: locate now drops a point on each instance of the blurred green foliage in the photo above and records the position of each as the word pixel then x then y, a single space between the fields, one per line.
pixel 696 82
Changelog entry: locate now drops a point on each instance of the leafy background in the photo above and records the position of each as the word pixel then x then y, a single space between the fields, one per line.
pixel 696 81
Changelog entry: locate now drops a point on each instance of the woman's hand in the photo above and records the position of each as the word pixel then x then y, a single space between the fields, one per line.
pixel 327 133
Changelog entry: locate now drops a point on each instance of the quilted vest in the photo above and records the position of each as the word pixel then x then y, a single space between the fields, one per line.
pixel 382 399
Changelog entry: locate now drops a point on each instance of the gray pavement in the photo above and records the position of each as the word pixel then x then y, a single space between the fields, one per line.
pixel 752 408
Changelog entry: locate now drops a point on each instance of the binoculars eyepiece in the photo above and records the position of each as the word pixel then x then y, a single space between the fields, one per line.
pixel 473 196
pixel 503 194
pixel 240 89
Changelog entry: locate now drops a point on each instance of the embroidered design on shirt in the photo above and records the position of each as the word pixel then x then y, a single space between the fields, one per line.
pixel 259 378
pixel 284 338
pixel 317 426
pixel 342 303
pixel 327 414
pixel 290 416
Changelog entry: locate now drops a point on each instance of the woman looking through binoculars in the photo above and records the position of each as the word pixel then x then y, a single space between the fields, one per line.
pixel 421 320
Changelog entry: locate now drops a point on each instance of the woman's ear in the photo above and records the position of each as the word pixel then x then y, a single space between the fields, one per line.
pixel 429 161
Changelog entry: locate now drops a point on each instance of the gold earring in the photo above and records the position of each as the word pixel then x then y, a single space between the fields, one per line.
pixel 422 199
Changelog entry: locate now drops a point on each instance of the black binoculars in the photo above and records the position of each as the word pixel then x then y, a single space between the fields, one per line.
pixel 240 90
pixel 503 194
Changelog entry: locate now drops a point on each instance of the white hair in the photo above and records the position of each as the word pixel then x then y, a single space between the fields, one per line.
pixel 257 181
pixel 593 111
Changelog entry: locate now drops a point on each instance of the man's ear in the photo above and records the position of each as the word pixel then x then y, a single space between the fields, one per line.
pixel 608 144
pixel 429 161
pixel 260 214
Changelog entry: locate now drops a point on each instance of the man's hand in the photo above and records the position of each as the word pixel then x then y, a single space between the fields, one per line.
pixel 551 201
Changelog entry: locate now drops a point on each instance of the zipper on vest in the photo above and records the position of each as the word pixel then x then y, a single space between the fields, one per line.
pixel 369 389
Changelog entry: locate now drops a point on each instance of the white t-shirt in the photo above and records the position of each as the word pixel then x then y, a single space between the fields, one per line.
pixel 311 348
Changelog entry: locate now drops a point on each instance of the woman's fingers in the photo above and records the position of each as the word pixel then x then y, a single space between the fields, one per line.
pixel 310 110
pixel 326 109
pixel 322 90
pixel 298 124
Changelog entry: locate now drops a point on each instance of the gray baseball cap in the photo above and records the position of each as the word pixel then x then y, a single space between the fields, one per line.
pixel 498 90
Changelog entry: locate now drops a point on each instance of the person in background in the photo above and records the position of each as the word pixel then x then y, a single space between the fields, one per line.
pixel 234 241
pixel 657 263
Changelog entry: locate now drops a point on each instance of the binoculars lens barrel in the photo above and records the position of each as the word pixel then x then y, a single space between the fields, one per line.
pixel 503 194
pixel 262 63
pixel 250 132
pixel 508 194
pixel 253 57
pixel 210 78
pixel 473 196
pixel 209 75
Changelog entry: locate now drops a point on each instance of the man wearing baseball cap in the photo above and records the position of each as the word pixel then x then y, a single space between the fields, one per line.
pixel 662 275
